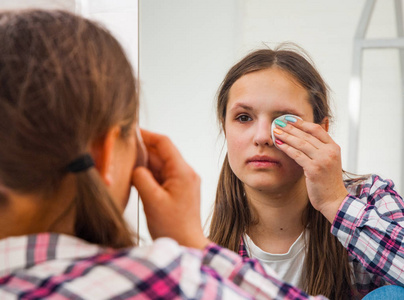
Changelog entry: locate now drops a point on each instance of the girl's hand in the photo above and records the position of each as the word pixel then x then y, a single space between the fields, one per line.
pixel 170 192
pixel 320 157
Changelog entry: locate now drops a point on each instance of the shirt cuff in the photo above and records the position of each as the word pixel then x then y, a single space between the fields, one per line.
pixel 348 218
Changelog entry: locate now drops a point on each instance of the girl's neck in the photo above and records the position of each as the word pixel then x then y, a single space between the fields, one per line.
pixel 31 213
pixel 278 215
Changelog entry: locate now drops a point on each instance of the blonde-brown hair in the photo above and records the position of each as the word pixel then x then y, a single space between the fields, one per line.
pixel 327 270
pixel 64 82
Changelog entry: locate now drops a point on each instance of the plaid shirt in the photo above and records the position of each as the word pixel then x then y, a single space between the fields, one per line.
pixel 56 266
pixel 369 224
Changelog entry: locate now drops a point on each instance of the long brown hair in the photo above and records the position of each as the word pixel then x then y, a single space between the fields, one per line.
pixel 327 270
pixel 65 81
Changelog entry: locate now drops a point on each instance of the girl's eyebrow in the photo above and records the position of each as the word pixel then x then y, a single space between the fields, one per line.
pixel 241 105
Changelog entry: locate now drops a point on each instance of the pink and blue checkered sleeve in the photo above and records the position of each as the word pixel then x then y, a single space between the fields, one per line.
pixel 370 225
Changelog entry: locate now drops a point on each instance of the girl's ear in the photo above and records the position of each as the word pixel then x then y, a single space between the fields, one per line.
pixel 325 123
pixel 102 151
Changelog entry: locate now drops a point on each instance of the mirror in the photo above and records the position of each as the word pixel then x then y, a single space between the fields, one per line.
pixel 186 48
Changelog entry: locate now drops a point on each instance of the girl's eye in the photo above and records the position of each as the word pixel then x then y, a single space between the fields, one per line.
pixel 243 118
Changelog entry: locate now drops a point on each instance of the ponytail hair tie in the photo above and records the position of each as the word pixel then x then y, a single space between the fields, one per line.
pixel 80 164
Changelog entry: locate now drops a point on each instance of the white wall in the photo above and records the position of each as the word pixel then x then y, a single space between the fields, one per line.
pixel 186 47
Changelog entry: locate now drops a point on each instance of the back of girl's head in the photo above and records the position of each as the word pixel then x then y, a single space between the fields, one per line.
pixel 64 82
pixel 290 59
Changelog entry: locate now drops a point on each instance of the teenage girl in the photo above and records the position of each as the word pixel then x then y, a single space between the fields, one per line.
pixel 286 200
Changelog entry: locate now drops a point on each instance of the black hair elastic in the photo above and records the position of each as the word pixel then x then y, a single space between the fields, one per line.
pixel 81 163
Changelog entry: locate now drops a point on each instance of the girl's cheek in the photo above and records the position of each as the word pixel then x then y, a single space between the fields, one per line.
pixel 234 140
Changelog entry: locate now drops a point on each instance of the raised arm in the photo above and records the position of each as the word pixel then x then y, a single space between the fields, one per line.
pixel 370 225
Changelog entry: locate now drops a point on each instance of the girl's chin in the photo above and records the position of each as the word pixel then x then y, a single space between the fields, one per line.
pixel 271 184
pixel 264 187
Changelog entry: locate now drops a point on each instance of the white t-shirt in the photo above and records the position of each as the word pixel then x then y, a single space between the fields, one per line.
pixel 289 266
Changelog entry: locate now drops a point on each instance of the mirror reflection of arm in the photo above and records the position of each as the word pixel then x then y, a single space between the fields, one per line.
pixel 370 225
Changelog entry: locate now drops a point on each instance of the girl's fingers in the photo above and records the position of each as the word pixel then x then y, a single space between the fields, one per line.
pixel 304 136
pixel 308 138
pixel 300 141
pixel 147 185
pixel 311 129
pixel 165 159
pixel 298 156
pixel 162 146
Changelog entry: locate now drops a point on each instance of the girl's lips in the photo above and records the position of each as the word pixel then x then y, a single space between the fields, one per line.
pixel 262 161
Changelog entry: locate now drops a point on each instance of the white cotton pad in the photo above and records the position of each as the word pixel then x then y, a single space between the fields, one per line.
pixel 273 126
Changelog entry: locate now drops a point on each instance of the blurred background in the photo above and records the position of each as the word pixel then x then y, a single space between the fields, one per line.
pixel 182 49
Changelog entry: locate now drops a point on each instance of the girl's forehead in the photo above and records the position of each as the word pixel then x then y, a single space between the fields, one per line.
pixel 267 87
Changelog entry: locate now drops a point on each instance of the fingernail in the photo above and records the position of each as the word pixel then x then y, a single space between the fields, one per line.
pixel 290 119
pixel 280 123
pixel 279 142
pixel 277 131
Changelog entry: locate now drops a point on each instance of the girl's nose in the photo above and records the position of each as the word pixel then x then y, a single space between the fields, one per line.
pixel 262 136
